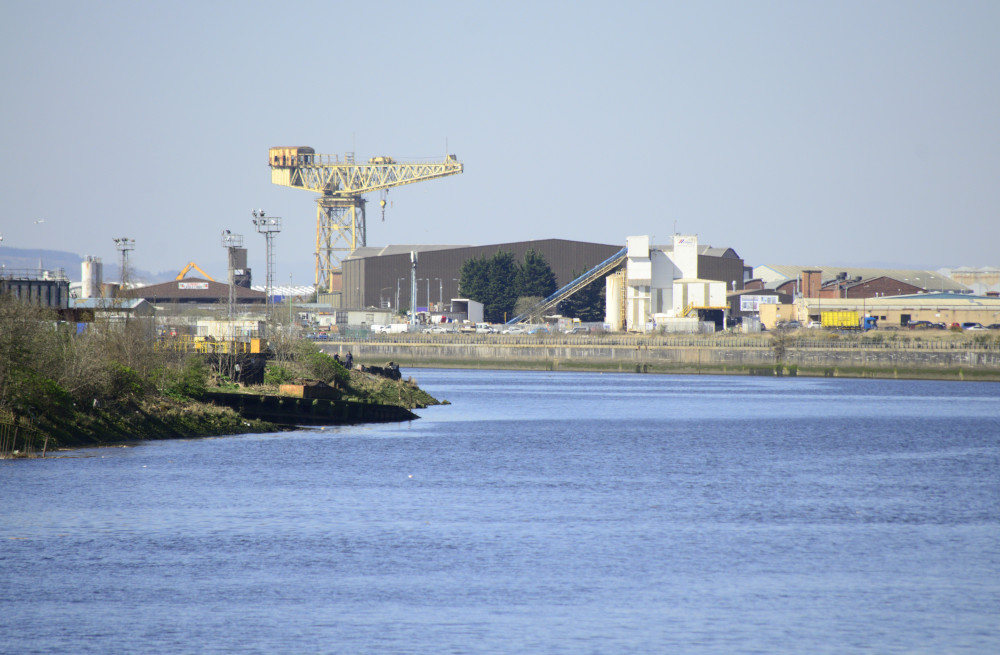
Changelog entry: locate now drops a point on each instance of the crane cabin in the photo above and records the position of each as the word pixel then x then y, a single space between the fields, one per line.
pixel 291 156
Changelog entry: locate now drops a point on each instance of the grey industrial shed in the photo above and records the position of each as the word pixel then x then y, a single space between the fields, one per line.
pixel 374 276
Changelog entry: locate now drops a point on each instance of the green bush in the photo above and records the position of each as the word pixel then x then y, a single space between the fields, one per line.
pixel 193 379
pixel 321 366
pixel 190 381
pixel 124 382
pixel 276 374
pixel 40 395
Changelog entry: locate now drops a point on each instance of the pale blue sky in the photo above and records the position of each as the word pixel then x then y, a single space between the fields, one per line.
pixel 794 132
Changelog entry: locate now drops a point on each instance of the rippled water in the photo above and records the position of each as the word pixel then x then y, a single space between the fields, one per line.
pixel 541 513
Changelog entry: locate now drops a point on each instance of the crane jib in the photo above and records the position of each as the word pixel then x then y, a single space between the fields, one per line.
pixel 340 212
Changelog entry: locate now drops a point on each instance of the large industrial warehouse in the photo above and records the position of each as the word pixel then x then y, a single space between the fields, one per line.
pixel 380 277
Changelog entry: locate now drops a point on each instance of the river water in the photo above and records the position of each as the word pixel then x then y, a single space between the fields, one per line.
pixel 538 513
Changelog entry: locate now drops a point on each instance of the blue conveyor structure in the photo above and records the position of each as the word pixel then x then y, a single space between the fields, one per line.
pixel 602 269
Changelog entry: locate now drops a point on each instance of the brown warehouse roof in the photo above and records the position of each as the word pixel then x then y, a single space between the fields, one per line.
pixel 196 290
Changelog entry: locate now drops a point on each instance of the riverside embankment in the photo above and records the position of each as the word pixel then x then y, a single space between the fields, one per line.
pixel 891 354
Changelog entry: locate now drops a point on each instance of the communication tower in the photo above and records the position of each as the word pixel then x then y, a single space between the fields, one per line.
pixel 340 209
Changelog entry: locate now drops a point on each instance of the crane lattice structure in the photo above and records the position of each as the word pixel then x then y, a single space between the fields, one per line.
pixel 340 209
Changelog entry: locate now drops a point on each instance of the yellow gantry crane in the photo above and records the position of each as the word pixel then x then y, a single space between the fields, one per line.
pixel 340 209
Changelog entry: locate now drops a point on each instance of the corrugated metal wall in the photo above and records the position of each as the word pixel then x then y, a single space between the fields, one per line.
pixel 370 280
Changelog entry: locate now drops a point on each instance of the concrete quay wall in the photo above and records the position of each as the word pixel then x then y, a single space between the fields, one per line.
pixel 665 357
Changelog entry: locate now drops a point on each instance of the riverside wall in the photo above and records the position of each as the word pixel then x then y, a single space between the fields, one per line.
pixel 758 355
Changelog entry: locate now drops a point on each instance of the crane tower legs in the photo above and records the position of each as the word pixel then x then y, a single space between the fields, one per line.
pixel 340 228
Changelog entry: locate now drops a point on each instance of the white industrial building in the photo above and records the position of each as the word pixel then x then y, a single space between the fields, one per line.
pixel 661 291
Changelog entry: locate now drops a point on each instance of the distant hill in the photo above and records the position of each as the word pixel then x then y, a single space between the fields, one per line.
pixel 33 259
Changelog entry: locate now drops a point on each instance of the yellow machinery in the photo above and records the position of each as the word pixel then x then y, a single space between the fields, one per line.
pixel 208 345
pixel 187 269
pixel 340 209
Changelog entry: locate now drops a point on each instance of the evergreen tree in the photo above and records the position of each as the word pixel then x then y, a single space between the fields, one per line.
pixel 535 277
pixel 474 279
pixel 499 281
pixel 587 304
pixel 502 287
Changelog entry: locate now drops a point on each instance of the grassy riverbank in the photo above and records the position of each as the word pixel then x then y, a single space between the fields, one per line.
pixel 156 414
pixel 110 384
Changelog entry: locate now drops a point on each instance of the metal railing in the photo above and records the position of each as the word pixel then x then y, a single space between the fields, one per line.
pixel 718 340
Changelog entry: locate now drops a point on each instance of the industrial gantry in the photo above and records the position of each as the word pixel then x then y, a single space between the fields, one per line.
pixel 340 209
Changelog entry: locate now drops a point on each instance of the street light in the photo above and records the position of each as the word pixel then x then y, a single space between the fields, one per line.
pixel 398 280
pixel 124 245
pixel 268 226
pixel 413 287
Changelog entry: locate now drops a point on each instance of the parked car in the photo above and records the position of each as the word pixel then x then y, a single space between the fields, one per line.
pixel 517 329
pixel 972 325
pixel 920 325
pixel 577 330
pixel 993 326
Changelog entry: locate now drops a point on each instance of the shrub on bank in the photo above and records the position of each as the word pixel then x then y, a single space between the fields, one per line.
pixel 320 366
pixel 276 374
pixel 190 380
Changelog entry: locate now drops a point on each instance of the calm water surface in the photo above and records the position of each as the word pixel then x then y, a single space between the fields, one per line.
pixel 539 513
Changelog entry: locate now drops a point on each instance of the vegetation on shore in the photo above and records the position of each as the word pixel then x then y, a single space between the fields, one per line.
pixel 302 360
pixel 110 384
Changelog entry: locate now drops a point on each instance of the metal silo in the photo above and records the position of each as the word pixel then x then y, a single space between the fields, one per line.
pixel 93 273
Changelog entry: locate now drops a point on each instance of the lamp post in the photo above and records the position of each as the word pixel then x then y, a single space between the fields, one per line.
pixel 268 226
pixel 124 245
pixel 398 280
pixel 413 287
